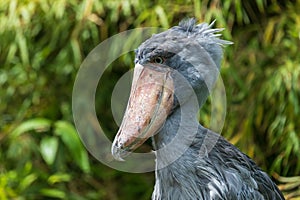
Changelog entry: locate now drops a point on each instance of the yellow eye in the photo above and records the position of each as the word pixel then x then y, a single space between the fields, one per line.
pixel 158 60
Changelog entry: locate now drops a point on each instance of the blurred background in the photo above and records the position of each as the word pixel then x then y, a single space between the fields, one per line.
pixel 43 43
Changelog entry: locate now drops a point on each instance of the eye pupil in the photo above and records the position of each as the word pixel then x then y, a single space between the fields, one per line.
pixel 158 60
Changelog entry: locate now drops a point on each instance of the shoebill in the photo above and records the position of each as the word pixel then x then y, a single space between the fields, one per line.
pixel 174 72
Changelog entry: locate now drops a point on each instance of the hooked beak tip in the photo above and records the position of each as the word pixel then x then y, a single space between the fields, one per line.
pixel 117 152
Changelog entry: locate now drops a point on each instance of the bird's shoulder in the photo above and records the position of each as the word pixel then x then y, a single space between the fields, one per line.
pixel 229 171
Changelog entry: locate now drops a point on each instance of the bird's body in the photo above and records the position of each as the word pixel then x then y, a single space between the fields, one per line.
pixel 223 173
pixel 174 72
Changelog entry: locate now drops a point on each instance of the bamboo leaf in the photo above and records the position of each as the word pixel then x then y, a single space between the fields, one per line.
pixel 162 16
pixel 269 32
pixel 260 4
pixel 71 139
pixel 22 43
pixel 54 193
pixel 27 181
pixel 37 124
pixel 58 178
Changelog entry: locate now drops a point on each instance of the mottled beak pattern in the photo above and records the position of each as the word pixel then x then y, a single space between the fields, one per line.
pixel 150 103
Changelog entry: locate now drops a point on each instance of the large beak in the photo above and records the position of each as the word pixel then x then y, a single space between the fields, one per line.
pixel 150 102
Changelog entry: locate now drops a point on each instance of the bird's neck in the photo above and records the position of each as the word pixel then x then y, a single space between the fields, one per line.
pixel 174 154
pixel 177 134
pixel 182 123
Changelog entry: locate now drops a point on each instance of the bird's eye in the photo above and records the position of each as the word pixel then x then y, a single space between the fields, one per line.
pixel 158 60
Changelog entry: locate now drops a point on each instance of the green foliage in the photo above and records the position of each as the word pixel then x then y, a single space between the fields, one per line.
pixel 55 139
pixel 63 132
pixel 43 42
pixel 271 68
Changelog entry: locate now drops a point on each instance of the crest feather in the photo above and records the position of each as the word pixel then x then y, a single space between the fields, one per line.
pixel 202 31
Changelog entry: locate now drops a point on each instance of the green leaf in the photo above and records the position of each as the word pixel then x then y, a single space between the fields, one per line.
pixel 59 177
pixel 49 147
pixel 37 124
pixel 260 4
pixel 76 51
pixel 70 138
pixel 23 47
pixel 27 181
pixel 55 193
pixel 163 19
